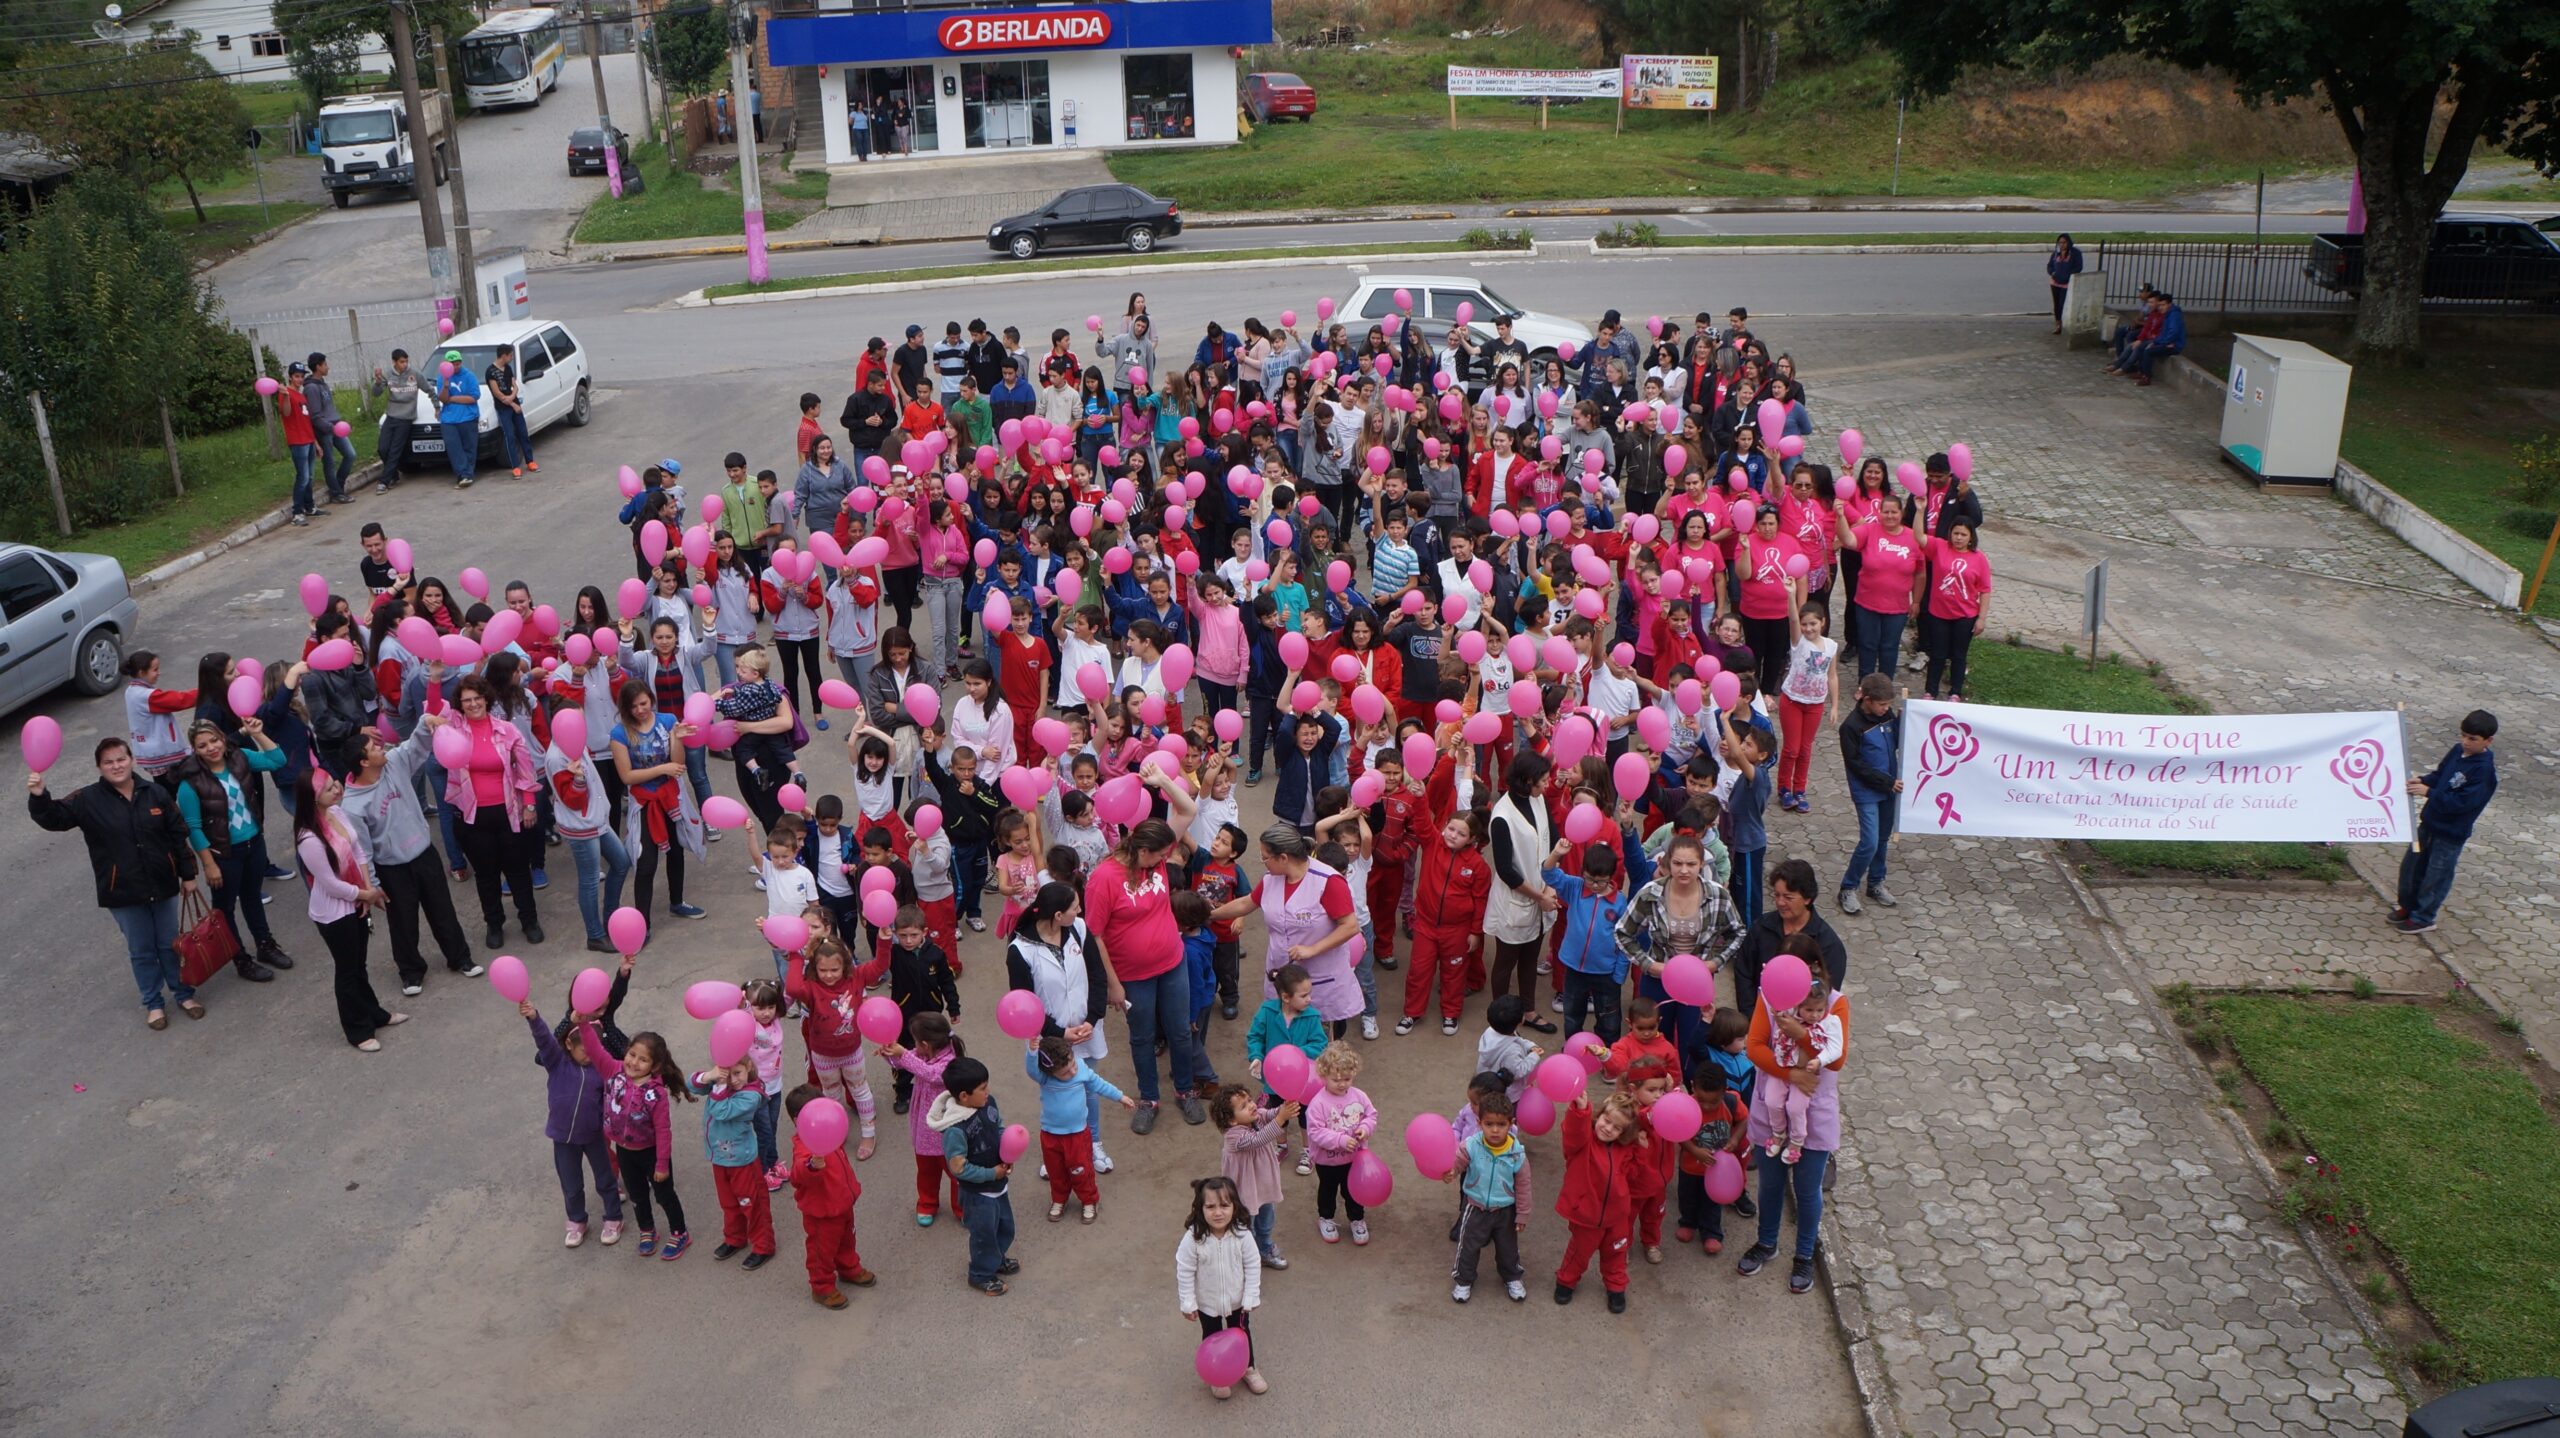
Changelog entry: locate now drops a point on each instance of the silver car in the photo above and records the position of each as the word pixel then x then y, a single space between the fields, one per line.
pixel 64 619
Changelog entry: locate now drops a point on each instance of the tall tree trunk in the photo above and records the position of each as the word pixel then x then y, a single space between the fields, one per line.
pixel 2403 195
pixel 185 180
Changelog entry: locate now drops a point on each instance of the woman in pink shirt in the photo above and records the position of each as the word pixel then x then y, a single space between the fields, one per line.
pixel 1889 555
pixel 1768 594
pixel 333 867
pixel 1959 590
pixel 1128 903
pixel 1805 515
pixel 1865 496
pixel 901 569
pixel 492 795
pixel 943 547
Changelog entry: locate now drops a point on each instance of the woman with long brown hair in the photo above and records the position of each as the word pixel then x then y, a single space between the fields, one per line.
pixel 1128 903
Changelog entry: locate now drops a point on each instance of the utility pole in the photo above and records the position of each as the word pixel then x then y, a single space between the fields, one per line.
pixel 461 199
pixel 742 32
pixel 404 59
pixel 645 34
pixel 595 67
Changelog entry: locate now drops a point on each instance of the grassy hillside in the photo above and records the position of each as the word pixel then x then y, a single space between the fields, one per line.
pixel 1381 137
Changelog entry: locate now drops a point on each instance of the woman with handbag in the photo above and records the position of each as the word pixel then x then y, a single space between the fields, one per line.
pixel 140 858
pixel 213 786
pixel 343 897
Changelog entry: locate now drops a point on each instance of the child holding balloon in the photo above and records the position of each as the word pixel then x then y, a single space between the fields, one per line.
pixel 763 1001
pixel 1287 1019
pixel 1719 1138
pixel 731 1098
pixel 1217 1275
pixel 825 981
pixel 1603 1151
pixel 1340 1119
pixel 935 1046
pixel 827 1189
pixel 1066 1145
pixel 639 1095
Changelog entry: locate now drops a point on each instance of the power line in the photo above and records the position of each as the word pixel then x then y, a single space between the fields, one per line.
pixel 217 78
pixel 172 46
pixel 87 34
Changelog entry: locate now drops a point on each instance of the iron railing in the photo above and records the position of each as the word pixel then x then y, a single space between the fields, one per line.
pixel 2218 277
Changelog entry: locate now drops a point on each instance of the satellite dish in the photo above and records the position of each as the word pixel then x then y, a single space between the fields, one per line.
pixel 115 12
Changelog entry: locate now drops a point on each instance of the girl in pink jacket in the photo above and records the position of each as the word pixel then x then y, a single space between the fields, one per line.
pixel 491 782
pixel 1339 1122
pixel 1220 653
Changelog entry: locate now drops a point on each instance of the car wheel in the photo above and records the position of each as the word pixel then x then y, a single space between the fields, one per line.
pixel 101 663
pixel 340 196
pixel 1023 245
pixel 1538 360
pixel 573 172
pixel 1142 238
pixel 583 410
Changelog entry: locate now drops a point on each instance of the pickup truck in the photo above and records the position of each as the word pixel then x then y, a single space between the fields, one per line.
pixel 2470 257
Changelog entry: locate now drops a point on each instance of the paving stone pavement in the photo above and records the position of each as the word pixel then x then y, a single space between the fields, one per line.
pixel 2277 936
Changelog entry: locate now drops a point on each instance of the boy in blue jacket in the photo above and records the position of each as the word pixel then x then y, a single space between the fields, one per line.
pixel 1068 1092
pixel 2459 787
pixel 1595 971
pixel 1749 749
pixel 972 1130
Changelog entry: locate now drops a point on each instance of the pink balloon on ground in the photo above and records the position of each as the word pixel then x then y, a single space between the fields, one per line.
pixel 507 976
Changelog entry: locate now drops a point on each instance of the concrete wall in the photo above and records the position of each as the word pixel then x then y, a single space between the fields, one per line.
pixel 2432 537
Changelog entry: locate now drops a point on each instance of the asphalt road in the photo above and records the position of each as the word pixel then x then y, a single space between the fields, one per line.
pixel 243 1226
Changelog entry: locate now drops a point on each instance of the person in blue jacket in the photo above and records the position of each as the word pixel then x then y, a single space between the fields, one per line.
pixel 2461 785
pixel 458 416
pixel 2059 266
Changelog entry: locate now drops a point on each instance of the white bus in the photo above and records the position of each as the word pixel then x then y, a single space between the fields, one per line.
pixel 512 59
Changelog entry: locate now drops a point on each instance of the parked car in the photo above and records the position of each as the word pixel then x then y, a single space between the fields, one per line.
pixel 1089 215
pixel 551 378
pixel 64 619
pixel 2469 257
pixel 1278 95
pixel 1435 312
pixel 586 151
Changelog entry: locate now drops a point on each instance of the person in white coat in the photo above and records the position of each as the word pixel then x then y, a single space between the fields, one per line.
pixel 1217 1272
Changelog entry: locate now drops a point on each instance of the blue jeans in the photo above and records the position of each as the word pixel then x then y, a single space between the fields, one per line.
pixel 597 1157
pixel 1266 1219
pixel 1807 1175
pixel 1875 835
pixel 697 767
pixel 968 875
pixel 462 449
pixel 602 866
pixel 337 461
pixel 1366 971
pixel 150 932
pixel 2426 875
pixel 1746 882
pixel 767 1114
pixel 516 439
pixel 724 657
pixel 1878 637
pixel 990 1220
pixel 1163 1000
pixel 302 457
pixel 1593 995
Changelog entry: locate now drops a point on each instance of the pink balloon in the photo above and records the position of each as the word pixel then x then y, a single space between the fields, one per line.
pixel 1369 788
pixel 1674 460
pixel 1013 1143
pixel 787 932
pixel 1019 1014
pixel 1223 1357
pixel 590 990
pixel 878 881
pixel 1797 566
pixel 1482 728
pixel 1371 1181
pixel 1725 689
pixel 1913 478
pixel 507 976
pixel 1573 739
pixel 836 694
pixel 1293 649
pixel 1559 1077
pixel 1324 309
pixel 417 634
pixel 503 629
pixel 1537 1113
pixel 1431 1143
pixel 1286 1072
pixel 1631 774
pixel 579 650
pixel 1852 445
pixel 1784 982
pixel 821 1125
pixel 1724 1180
pixel 722 812
pixel 458 651
pixel 1585 821
pixel 1175 668
pixel 1419 753
pixel 627 480
pixel 1675 1117
pixel 1687 979
pixel 880 907
pixel 1653 727
pixel 266 385
pixel 245 696
pixel 879 1019
pixel 315 595
pixel 732 1034
pixel 632 596
pixel 473 581
pixel 711 998
pixel 1368 705
pixel 871 549
pixel 452 747
pixel 1526 698
pixel 1229 725
pixel 628 930
pixel 336 654
pixel 998 613
pixel 928 820
pixel 569 732
pixel 923 703
pixel 1960 460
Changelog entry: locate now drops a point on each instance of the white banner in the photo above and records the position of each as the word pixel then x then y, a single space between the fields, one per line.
pixel 1467 80
pixel 1980 769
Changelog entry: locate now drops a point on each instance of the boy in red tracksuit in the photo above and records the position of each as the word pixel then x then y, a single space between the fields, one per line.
pixel 1603 1157
pixel 1023 663
pixel 1392 851
pixel 827 1188
pixel 1448 901
pixel 1643 1083
pixel 1644 1039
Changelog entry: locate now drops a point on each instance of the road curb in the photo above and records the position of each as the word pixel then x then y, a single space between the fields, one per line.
pixel 1667 251
pixel 699 299
pixel 696 252
pixel 267 523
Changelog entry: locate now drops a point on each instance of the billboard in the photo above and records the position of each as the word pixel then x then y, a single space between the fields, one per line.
pixel 1466 80
pixel 1668 82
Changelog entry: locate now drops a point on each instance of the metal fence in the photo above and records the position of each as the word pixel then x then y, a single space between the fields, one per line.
pixel 2227 278
pixel 357 339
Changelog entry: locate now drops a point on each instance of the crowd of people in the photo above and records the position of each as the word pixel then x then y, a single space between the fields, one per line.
pixel 1524 645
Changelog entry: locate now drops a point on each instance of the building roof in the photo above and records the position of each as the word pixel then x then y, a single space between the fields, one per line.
pixel 25 161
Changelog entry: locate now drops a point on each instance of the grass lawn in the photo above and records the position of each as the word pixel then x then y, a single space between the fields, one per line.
pixel 228 229
pixel 1968 237
pixel 676 205
pixel 1312 254
pixel 2016 675
pixel 1381 136
pixel 2444 437
pixel 230 481
pixel 2447 1152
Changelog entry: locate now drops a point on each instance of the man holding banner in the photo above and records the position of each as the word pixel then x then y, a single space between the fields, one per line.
pixel 2458 789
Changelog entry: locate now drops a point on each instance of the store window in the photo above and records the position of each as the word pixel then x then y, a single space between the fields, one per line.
pixel 887 92
pixel 1159 90
pixel 269 44
pixel 1004 104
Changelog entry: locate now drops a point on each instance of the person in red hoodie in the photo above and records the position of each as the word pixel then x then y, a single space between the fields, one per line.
pixel 1603 1159
pixel 827 983
pixel 1644 1039
pixel 1448 896
pixel 298 438
pixel 827 1188
pixel 1399 833
pixel 1643 1083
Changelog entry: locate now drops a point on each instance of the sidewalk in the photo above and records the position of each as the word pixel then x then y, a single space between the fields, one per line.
pixel 2046 1219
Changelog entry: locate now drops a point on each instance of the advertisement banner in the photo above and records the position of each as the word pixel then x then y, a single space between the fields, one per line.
pixel 1983 770
pixel 1668 82
pixel 1467 80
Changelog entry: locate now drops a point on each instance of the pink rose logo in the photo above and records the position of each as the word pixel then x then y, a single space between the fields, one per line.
pixel 2362 767
pixel 1948 745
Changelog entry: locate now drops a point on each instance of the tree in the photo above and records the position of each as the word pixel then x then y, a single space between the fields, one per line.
pixel 328 29
pixel 154 111
pixel 2415 87
pixel 690 49
pixel 326 55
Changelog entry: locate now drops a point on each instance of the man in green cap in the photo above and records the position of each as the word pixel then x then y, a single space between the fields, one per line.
pixel 458 414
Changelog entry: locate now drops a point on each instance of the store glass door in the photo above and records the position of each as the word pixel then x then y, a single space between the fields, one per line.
pixel 1005 103
pixel 887 92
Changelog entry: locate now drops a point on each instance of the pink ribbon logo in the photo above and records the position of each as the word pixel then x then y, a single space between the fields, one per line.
pixel 1947 747
pixel 2362 767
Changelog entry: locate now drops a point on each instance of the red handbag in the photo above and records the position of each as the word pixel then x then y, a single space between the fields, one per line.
pixel 206 943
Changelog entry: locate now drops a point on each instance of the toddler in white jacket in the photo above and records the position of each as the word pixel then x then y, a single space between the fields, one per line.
pixel 1217 1273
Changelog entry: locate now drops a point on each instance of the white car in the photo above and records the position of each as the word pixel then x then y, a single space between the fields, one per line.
pixel 1435 309
pixel 551 378
pixel 64 619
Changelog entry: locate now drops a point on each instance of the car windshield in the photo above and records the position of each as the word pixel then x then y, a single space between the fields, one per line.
pixel 587 139
pixel 1286 82
pixel 493 62
pixel 475 358
pixel 357 127
pixel 1500 305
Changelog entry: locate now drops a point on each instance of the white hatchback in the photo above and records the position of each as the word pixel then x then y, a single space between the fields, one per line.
pixel 551 377
pixel 1435 312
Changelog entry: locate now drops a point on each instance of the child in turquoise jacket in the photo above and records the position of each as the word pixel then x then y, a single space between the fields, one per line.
pixel 731 1098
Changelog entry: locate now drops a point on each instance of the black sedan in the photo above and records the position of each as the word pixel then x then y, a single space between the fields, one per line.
pixel 1090 215
pixel 586 151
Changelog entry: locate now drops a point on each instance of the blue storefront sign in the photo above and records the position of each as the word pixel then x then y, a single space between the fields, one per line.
pixel 856 39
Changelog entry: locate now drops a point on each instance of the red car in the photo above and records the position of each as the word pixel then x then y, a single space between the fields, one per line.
pixel 1276 95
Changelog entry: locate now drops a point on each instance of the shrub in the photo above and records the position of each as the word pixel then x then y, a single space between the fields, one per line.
pixel 2537 480
pixel 1623 236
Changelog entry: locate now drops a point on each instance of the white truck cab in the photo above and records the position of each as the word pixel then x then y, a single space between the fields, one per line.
pixel 371 142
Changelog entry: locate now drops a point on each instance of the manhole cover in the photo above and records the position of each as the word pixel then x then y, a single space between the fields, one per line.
pixel 2224 529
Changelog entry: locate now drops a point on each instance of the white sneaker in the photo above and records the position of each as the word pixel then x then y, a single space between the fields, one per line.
pixel 1546 966
pixel 1516 1291
pixel 413 990
pixel 1460 1293
pixel 1044 1173
pixel 1101 1160
pixel 1325 1229
pixel 1307 1164
pixel 577 1235
pixel 474 971
pixel 1556 1004
pixel 612 1233
pixel 1359 1230
pixel 1368 1027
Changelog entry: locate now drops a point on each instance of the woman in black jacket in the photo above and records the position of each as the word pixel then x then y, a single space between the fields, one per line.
pixel 139 855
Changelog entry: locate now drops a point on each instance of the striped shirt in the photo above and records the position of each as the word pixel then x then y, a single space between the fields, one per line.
pixel 1392 565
